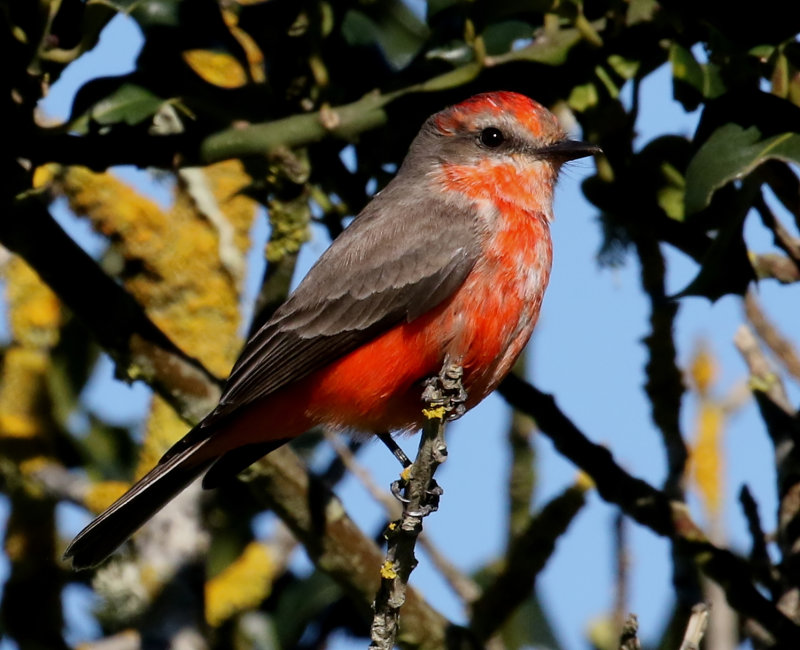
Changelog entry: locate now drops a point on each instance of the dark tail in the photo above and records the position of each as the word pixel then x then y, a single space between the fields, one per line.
pixel 147 496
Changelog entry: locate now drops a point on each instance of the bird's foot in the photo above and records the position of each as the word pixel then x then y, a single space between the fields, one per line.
pixel 445 391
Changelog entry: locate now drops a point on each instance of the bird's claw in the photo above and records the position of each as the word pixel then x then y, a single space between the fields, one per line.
pixel 430 502
pixel 397 488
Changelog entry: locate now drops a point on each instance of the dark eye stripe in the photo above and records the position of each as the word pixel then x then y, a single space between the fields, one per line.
pixel 491 137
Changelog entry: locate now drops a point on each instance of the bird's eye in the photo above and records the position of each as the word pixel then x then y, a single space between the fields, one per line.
pixel 492 137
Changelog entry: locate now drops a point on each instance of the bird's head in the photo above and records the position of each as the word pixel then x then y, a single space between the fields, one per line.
pixel 500 146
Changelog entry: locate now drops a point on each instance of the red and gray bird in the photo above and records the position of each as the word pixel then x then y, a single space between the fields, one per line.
pixel 446 265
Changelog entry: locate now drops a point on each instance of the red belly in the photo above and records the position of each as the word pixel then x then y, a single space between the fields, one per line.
pixel 483 326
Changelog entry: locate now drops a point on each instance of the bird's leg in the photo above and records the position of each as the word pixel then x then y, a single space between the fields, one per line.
pixel 398 453
pixel 444 397
pixel 399 485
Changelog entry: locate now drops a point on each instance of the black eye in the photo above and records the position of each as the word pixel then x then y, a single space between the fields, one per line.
pixel 492 137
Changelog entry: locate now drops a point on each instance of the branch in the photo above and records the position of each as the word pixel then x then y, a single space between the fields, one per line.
pixel 139 348
pixel 143 352
pixel 629 639
pixel 526 557
pixel 651 508
pixel 776 266
pixel 696 627
pixel 421 497
pixel 464 586
pixel 780 345
pixel 782 238
pixel 783 427
pixel 664 384
pixel 335 544
pixel 124 146
pixel 762 377
pixel 759 555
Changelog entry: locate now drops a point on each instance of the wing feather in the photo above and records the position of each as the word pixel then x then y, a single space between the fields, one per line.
pixel 393 263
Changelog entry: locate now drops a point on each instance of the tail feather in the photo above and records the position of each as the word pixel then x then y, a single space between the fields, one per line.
pixel 128 513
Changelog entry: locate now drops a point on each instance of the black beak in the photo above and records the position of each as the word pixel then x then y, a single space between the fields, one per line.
pixel 569 150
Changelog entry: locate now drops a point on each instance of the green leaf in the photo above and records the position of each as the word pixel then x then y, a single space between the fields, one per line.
pixel 731 153
pixel 583 97
pixel 693 81
pixel 389 25
pixel 625 68
pixel 640 11
pixel 500 37
pixel 726 267
pixel 130 104
pixel 159 13
pixel 550 48
pixel 670 197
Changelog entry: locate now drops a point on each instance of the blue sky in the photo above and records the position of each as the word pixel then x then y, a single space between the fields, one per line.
pixel 587 350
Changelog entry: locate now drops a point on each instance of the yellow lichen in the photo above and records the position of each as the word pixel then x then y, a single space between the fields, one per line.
pixel 435 414
pixel 707 453
pixel 103 494
pixel 703 370
pixel 164 427
pixel 44 175
pixel 184 286
pixel 387 571
pixel 34 316
pixel 584 482
pixel 241 586
pixel 34 310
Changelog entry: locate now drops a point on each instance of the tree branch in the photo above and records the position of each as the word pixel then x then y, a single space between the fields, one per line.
pixel 421 497
pixel 651 508
pixel 526 557
pixel 139 348
pixel 143 352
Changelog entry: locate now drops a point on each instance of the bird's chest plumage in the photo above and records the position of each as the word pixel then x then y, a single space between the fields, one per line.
pixel 492 316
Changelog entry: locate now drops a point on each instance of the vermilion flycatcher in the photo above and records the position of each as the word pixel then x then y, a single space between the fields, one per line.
pixel 448 264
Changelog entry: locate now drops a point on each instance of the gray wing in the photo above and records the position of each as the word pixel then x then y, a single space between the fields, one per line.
pixel 395 262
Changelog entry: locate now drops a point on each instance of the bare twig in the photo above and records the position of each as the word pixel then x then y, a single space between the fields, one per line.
pixel 522 474
pixel 652 508
pixel 759 557
pixel 762 376
pixel 466 588
pixel 776 266
pixel 421 498
pixel 527 555
pixel 335 544
pixel 664 379
pixel 781 236
pixel 696 627
pixel 781 347
pixel 622 562
pixel 629 639
pixel 783 426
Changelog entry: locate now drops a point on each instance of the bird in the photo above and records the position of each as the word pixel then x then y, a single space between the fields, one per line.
pixel 448 264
